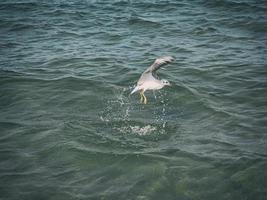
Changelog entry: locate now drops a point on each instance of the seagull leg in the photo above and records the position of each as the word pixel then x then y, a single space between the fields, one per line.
pixel 142 98
pixel 145 99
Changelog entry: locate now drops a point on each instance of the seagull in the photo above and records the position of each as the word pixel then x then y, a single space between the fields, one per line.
pixel 149 79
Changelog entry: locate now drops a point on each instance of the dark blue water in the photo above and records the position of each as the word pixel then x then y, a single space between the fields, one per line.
pixel 70 130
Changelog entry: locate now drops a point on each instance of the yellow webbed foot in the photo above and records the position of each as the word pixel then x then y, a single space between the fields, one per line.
pixel 143 98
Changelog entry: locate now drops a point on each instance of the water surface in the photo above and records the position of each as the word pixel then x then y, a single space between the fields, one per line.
pixel 70 130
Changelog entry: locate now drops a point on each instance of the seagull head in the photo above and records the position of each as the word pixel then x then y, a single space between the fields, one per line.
pixel 165 82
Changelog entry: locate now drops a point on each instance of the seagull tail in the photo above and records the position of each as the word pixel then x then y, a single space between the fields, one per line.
pixel 135 89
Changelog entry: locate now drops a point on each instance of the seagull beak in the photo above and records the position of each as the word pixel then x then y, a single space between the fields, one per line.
pixel 169 84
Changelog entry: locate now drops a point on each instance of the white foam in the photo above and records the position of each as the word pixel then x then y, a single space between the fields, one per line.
pixel 146 130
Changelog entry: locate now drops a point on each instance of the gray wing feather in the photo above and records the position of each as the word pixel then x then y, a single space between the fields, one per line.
pixel 159 62
pixel 145 77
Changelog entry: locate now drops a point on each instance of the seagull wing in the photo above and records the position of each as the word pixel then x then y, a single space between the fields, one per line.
pixel 150 72
pixel 159 62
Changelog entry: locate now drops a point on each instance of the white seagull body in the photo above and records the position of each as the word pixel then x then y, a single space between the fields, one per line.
pixel 149 80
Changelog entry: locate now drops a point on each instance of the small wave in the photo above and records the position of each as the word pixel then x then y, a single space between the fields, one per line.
pixel 143 22
pixel 4 73
pixel 68 81
pixel 22 6
pixel 64 33
pixel 22 27
pixel 159 5
pixel 204 30
pixel 9 124
pixel 9 44
pixel 238 6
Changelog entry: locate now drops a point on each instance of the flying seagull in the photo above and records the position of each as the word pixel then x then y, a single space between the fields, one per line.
pixel 149 80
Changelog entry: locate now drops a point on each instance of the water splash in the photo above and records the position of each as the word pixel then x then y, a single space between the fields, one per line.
pixel 120 114
pixel 118 108
pixel 138 130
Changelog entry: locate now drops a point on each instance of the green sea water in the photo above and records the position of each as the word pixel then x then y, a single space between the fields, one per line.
pixel 69 128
